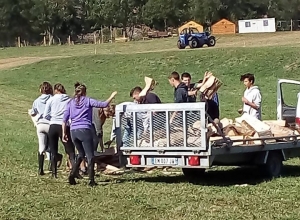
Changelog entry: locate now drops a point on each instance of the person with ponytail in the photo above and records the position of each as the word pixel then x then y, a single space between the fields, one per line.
pixel 42 124
pixel 79 111
pixel 54 110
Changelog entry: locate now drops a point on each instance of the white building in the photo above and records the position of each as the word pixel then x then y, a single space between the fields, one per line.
pixel 262 25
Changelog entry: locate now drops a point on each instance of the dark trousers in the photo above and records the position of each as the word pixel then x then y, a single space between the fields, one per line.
pixel 54 135
pixel 83 141
pixel 213 109
pixel 97 138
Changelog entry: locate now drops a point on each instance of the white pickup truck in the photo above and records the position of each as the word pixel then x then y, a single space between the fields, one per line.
pixel 182 145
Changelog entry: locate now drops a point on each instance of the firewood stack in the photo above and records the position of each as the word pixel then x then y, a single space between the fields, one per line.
pixel 247 127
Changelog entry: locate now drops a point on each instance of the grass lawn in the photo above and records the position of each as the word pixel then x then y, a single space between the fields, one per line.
pixel 219 195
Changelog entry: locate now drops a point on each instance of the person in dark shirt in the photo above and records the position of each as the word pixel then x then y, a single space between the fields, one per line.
pixel 180 88
pixel 192 92
pixel 180 93
pixel 213 106
pixel 150 98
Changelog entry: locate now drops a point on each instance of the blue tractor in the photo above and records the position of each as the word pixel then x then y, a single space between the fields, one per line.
pixel 195 39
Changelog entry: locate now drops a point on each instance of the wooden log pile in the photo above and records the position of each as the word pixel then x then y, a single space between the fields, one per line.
pixel 108 162
pixel 248 130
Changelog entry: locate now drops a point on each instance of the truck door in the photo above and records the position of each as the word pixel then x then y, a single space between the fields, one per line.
pixel 287 91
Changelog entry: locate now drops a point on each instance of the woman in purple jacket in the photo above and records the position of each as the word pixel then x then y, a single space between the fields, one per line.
pixel 79 110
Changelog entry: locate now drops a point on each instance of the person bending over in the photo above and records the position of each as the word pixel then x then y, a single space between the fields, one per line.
pixel 79 110
pixel 99 118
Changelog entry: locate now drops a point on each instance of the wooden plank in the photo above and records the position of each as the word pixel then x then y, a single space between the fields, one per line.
pixel 257 125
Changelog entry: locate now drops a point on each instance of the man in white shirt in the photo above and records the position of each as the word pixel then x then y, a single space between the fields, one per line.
pixel 252 97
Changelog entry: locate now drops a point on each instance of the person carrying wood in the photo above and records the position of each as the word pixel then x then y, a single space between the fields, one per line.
pixel 252 97
pixel 212 104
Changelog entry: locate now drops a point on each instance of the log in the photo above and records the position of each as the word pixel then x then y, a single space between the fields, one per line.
pixel 225 122
pixel 210 85
pixel 281 123
pixel 230 130
pixel 150 84
pixel 256 124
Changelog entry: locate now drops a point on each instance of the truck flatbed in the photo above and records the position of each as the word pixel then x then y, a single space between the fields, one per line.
pixel 146 138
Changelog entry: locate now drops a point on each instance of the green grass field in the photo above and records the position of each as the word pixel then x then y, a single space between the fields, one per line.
pixel 222 194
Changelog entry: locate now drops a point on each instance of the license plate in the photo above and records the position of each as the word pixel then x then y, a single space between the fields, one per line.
pixel 164 161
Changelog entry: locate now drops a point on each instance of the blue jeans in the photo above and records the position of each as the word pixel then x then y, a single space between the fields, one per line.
pixel 128 134
pixel 83 141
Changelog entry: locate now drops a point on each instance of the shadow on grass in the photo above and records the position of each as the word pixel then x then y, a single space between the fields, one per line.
pixel 237 176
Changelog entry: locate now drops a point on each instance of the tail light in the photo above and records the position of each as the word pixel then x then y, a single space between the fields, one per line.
pixel 297 123
pixel 135 160
pixel 194 161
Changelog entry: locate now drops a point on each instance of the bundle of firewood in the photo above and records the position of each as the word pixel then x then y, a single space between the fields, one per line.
pixel 246 128
pixel 210 85
pixel 149 86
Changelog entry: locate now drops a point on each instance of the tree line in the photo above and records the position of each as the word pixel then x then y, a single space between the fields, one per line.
pixel 33 20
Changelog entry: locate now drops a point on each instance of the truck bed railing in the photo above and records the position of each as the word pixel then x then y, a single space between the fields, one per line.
pixel 147 126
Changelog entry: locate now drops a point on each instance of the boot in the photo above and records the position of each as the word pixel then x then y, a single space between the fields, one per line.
pixel 59 159
pixel 50 166
pixel 54 166
pixel 41 164
pixel 72 160
pixel 91 172
pixel 75 171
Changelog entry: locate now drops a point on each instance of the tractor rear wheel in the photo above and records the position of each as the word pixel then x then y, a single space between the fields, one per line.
pixel 179 45
pixel 193 43
pixel 211 41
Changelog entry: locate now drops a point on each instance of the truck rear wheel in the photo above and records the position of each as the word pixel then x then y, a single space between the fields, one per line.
pixel 274 165
pixel 193 173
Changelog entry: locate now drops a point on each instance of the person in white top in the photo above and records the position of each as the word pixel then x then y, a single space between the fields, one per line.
pixel 252 97
pixel 41 123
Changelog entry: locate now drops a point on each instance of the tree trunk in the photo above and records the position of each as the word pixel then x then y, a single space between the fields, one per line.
pixel 102 37
pixel 111 34
pixel 50 35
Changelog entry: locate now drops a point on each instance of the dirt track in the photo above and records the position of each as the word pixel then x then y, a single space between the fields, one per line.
pixel 20 61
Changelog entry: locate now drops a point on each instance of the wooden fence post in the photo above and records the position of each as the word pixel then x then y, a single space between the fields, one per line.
pixel 19 41
pixel 69 40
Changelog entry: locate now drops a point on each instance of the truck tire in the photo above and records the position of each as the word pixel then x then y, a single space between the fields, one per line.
pixel 274 165
pixel 193 173
pixel 179 45
pixel 211 41
pixel 193 43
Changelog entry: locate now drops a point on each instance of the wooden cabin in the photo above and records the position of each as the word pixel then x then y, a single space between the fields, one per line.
pixel 223 27
pixel 190 24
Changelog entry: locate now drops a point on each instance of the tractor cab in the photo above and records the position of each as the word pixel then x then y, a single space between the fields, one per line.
pixel 187 33
pixel 193 38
